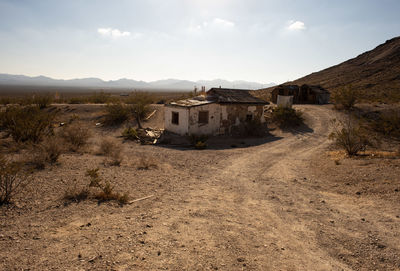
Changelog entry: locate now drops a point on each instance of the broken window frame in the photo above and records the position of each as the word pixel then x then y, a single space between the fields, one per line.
pixel 249 117
pixel 175 118
pixel 203 117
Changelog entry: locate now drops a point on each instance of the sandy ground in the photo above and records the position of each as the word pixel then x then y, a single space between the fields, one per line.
pixel 278 203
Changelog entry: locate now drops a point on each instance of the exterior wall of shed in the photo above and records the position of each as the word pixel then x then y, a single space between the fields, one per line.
pixel 210 128
pixel 183 127
pixel 323 98
pixel 222 118
pixel 233 116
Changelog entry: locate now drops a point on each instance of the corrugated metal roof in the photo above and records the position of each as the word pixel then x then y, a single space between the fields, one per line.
pixel 227 95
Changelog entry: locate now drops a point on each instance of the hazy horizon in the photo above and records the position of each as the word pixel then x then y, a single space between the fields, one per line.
pixel 256 41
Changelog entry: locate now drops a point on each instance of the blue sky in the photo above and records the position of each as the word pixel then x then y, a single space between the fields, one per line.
pixel 254 40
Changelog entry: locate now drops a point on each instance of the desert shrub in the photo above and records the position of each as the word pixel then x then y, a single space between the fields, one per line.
pixel 146 163
pixel 112 150
pixel 130 133
pixel 76 135
pixel 101 98
pixel 388 123
pixel 345 98
pixel 5 100
pixel 286 117
pixel 198 141
pixel 106 190
pixel 12 180
pixel 77 100
pixel 116 114
pixel 47 152
pixel 349 135
pixel 42 101
pixel 139 105
pixel 27 123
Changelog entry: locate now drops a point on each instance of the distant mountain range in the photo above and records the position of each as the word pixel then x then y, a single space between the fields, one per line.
pixel 168 84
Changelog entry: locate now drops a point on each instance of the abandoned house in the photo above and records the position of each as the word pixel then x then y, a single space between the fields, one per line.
pixel 308 94
pixel 219 111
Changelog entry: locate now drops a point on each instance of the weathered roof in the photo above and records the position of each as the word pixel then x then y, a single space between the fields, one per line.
pixel 189 103
pixel 227 95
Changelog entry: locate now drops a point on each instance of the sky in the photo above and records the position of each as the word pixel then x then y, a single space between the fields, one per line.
pixel 255 40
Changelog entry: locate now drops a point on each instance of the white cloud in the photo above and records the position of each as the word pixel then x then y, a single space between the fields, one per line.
pixel 114 33
pixel 223 23
pixel 296 25
pixel 216 24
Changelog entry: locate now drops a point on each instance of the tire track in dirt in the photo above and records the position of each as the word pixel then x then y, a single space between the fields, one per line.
pixel 244 214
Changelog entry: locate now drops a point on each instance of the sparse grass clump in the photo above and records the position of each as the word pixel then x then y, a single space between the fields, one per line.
pixel 76 135
pixel 112 150
pixel 146 163
pixel 116 114
pixel 106 192
pixel 12 180
pixel 103 190
pixel 27 123
pixel 286 117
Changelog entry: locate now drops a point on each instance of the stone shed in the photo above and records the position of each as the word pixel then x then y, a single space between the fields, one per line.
pixel 220 111
pixel 305 94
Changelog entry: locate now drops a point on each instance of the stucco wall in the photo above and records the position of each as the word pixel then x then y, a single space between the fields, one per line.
pixel 222 118
pixel 213 125
pixel 183 127
pixel 235 115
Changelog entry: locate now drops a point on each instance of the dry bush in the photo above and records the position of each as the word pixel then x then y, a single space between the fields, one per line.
pixel 139 105
pixel 345 98
pixel 112 150
pixel 42 101
pixel 350 135
pixel 146 163
pixel 47 152
pixel 388 123
pixel 286 117
pixel 12 180
pixel 101 98
pixel 116 114
pixel 106 192
pixel 76 135
pixel 27 123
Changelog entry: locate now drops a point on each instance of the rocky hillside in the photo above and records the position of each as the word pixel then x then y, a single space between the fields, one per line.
pixel 376 74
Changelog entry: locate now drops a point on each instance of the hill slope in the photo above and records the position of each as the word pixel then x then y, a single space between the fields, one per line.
pixel 376 74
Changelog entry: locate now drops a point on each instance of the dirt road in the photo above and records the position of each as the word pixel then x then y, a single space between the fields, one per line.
pixel 274 206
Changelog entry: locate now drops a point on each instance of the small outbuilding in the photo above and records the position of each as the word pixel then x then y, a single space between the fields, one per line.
pixel 220 111
pixel 305 94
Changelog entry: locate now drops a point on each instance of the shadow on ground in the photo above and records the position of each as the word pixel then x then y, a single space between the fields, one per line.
pixel 218 142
